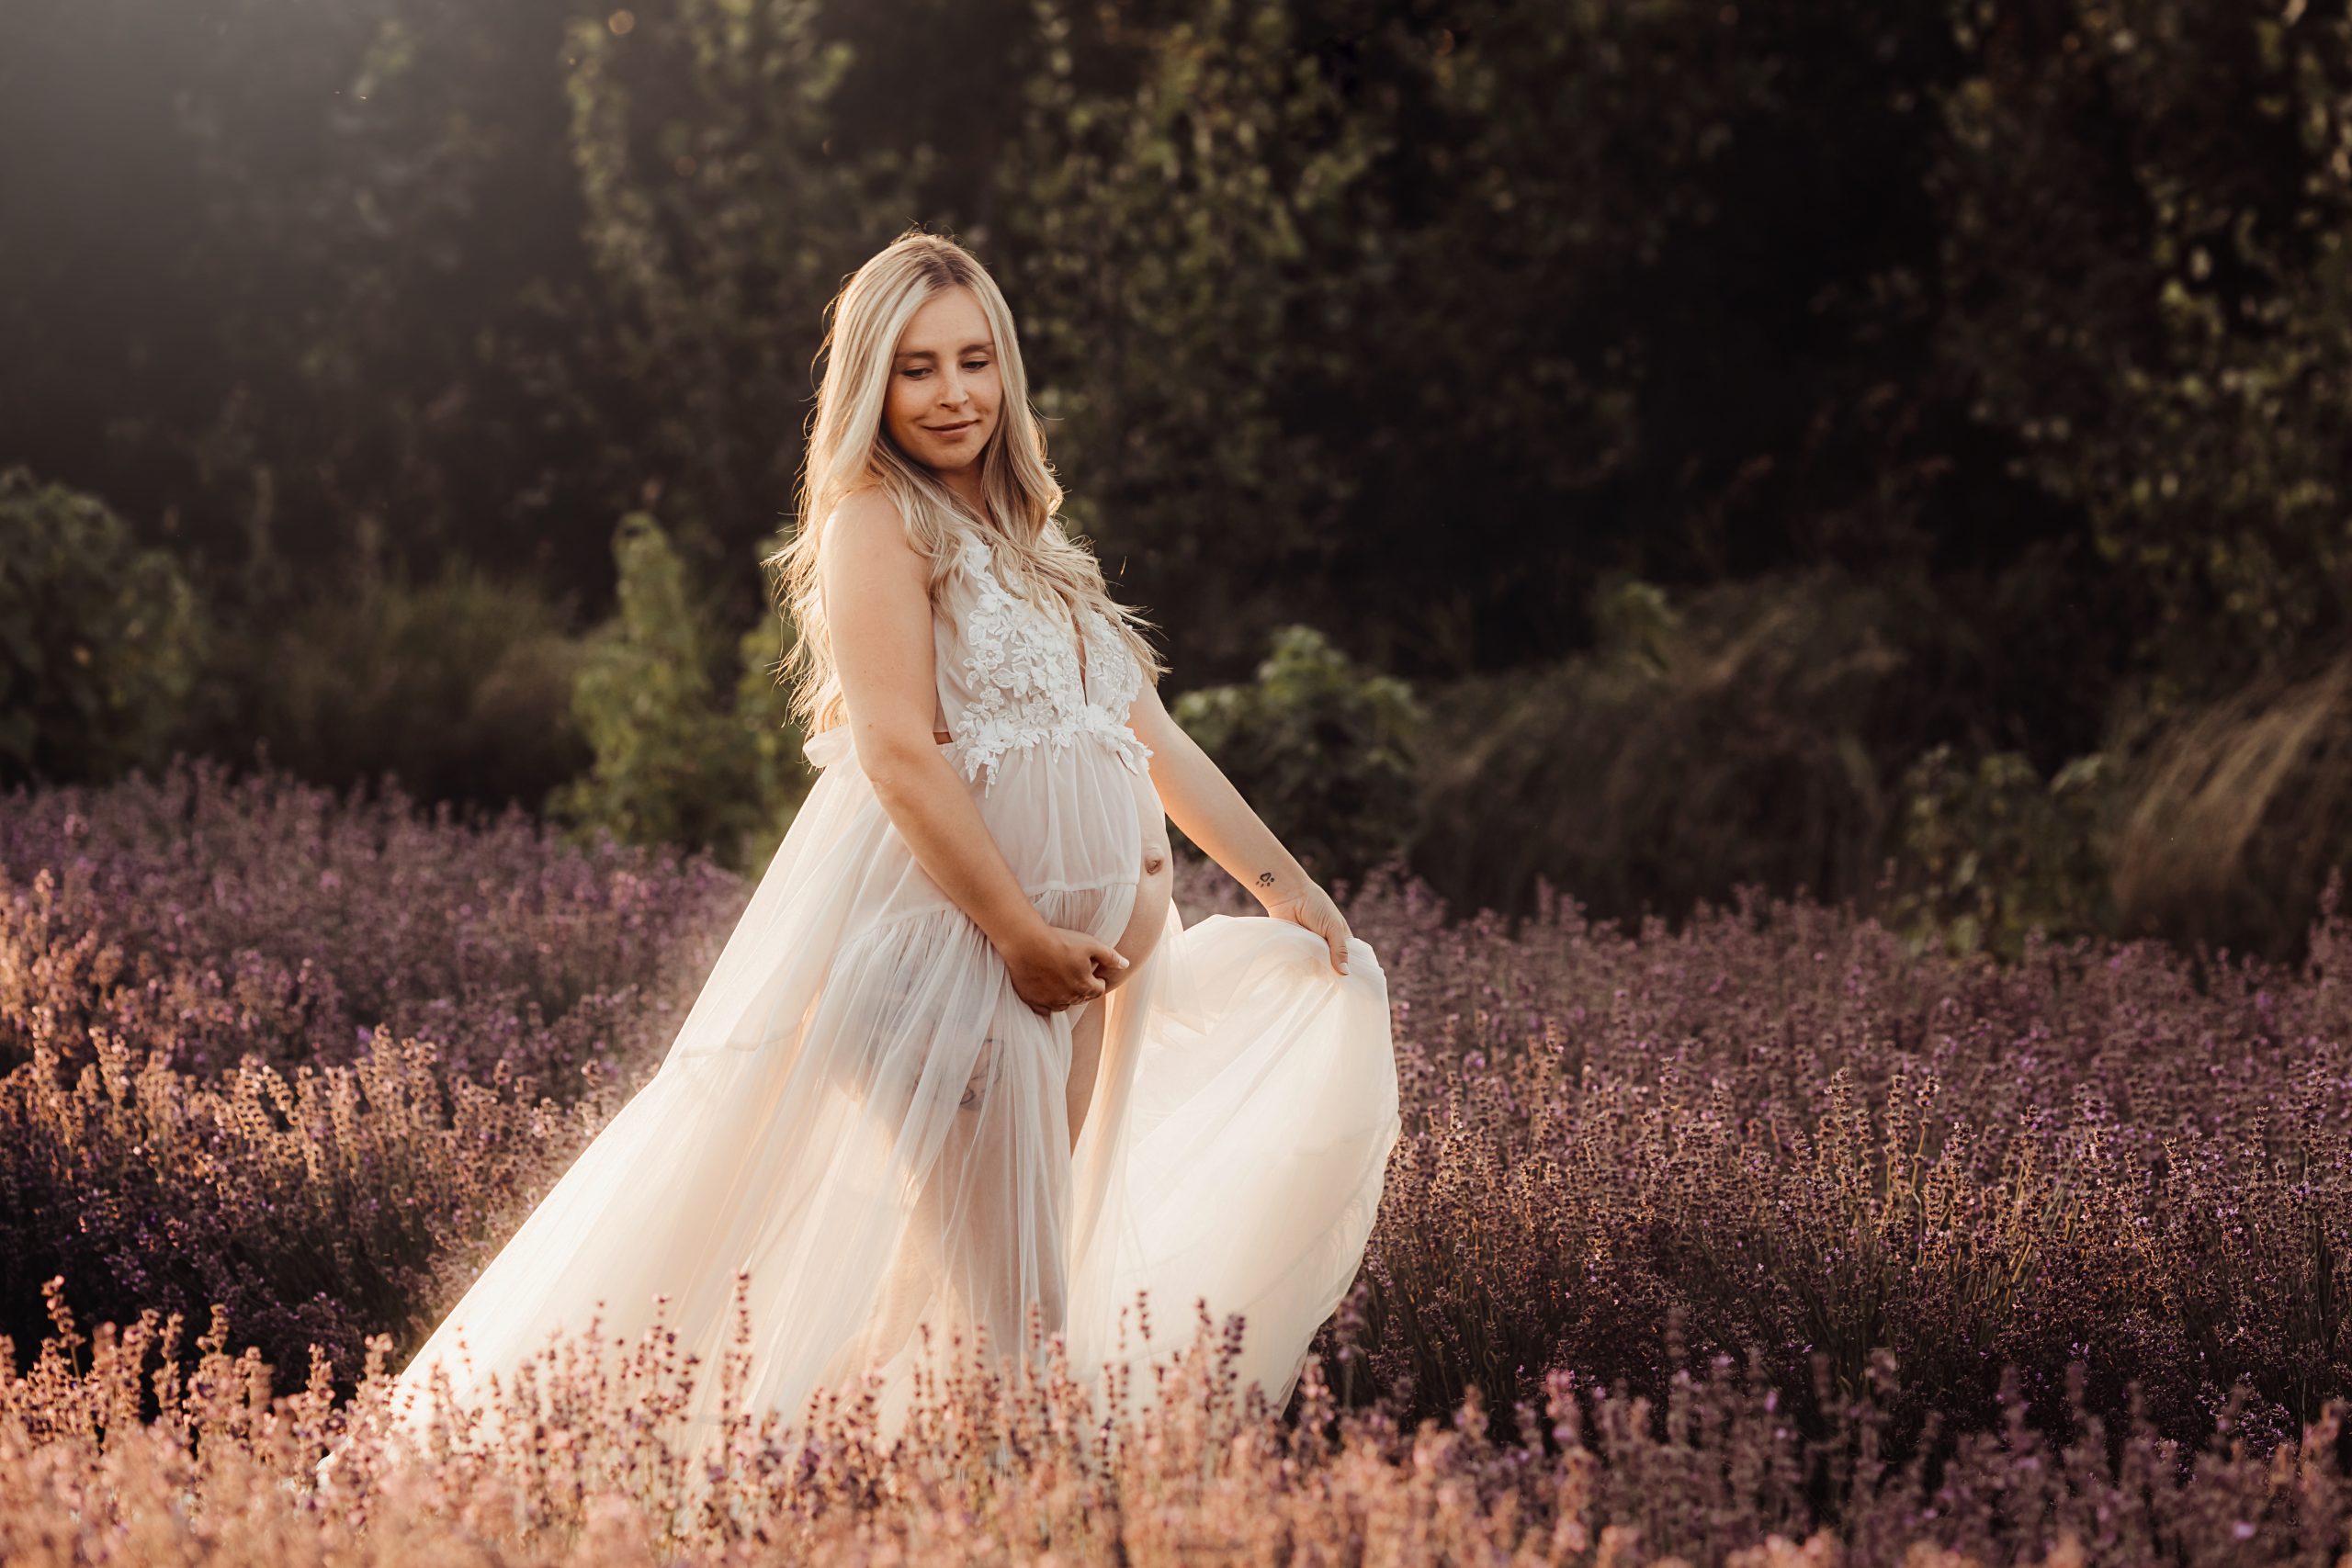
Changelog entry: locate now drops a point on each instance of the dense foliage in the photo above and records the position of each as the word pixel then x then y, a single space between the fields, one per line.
pixel 2148 207
pixel 459 685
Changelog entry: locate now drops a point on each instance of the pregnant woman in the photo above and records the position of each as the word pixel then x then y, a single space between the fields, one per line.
pixel 961 1068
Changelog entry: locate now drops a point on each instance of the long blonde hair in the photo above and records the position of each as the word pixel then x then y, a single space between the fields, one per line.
pixel 849 449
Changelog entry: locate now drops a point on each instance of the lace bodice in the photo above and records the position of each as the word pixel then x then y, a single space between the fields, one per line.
pixel 1010 677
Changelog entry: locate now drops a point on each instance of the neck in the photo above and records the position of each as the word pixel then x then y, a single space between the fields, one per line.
pixel 965 482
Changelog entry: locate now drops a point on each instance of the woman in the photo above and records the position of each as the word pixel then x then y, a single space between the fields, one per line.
pixel 961 1068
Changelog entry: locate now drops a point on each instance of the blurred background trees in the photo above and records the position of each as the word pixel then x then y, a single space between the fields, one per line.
pixel 98 637
pixel 1892 448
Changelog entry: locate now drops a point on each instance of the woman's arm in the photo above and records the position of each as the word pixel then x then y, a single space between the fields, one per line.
pixel 877 603
pixel 1202 802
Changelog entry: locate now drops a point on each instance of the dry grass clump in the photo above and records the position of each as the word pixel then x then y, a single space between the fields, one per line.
pixel 2239 810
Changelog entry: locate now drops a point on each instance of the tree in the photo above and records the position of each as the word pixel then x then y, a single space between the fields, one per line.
pixel 674 764
pixel 2148 206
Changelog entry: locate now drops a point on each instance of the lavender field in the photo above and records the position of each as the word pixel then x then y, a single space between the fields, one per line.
pixel 1761 1240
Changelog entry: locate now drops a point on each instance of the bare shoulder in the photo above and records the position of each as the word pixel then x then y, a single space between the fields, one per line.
pixel 866 538
pixel 867 521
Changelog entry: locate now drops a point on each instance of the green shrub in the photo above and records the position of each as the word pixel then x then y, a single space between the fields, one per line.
pixel 780 776
pixel 678 760
pixel 459 686
pixel 100 639
pixel 1324 749
pixel 1991 852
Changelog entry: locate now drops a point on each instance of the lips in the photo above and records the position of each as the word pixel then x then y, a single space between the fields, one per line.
pixel 950 429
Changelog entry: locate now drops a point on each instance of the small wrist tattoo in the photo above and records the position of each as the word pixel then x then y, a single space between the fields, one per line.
pixel 1265 879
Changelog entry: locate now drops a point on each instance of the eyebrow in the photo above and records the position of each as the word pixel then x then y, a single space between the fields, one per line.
pixel 927 353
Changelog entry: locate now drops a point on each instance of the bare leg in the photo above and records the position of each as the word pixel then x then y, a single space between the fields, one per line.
pixel 994 1208
pixel 1085 1056
pixel 983 1214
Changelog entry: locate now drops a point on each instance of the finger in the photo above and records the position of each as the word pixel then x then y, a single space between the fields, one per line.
pixel 1339 951
pixel 1106 953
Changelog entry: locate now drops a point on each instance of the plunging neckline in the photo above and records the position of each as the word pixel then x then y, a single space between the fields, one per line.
pixel 1076 623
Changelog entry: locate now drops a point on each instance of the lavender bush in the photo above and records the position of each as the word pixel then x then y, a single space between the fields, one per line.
pixel 1757 1227
pixel 215 919
pixel 1779 1129
pixel 125 1461
pixel 304 1057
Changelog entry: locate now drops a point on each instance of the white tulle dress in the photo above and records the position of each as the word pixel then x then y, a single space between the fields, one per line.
pixel 860 1115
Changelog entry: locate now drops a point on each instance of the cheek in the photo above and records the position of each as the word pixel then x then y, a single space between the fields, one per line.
pixel 899 410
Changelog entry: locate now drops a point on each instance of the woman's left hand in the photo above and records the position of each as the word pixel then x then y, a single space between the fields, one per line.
pixel 1312 908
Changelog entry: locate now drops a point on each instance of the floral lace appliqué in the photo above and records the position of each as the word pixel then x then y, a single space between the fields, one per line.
pixel 1026 687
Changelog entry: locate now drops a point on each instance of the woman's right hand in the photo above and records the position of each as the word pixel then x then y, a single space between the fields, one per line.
pixel 1057 969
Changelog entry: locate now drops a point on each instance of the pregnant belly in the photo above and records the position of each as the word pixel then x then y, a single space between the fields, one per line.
pixel 1155 875
pixel 1155 883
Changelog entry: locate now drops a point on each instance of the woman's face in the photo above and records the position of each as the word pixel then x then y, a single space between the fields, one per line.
pixel 944 386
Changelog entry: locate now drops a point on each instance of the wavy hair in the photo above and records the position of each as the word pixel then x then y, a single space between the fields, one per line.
pixel 849 449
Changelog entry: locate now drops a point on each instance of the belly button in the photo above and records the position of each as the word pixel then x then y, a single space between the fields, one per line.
pixel 1152 861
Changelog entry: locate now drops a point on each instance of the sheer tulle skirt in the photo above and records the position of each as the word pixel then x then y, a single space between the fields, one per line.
pixel 862 1117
